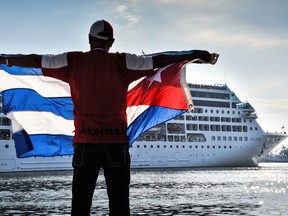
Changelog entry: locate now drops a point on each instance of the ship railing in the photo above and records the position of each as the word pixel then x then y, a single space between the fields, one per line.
pixel 245 106
pixel 202 86
pixel 249 115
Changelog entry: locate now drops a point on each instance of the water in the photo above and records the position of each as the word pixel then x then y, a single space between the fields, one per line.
pixel 214 191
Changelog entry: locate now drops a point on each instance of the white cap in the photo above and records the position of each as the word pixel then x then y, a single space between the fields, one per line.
pixel 101 29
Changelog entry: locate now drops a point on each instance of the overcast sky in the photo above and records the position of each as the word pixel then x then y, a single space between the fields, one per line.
pixel 251 37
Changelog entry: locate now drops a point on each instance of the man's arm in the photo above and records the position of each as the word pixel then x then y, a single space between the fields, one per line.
pixel 164 60
pixel 29 61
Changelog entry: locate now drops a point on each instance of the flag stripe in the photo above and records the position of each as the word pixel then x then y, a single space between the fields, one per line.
pixel 45 86
pixel 134 111
pixel 150 118
pixel 42 122
pixel 16 100
pixel 21 70
pixel 43 145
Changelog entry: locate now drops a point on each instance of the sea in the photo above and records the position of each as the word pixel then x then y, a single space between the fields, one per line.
pixel 259 190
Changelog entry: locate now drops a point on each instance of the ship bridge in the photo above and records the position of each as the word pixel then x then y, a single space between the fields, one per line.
pixel 247 109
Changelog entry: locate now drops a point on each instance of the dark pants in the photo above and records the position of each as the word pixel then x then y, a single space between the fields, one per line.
pixel 114 159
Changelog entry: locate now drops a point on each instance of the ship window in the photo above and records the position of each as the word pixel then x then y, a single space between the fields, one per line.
pixel 213 127
pixel 176 138
pixel 138 146
pixel 189 117
pixel 198 110
pixel 251 128
pixel 164 146
pixel 224 138
pixel 176 128
pixel 181 117
pixel 191 137
pixel 246 138
pixel 204 127
pixel 229 138
pixel 240 128
pixel 170 138
pixel 171 146
pixel 235 138
pixel 256 128
pixel 6 146
pixel 192 127
pixel 5 134
pixel 183 139
pixel 240 138
pixel 5 121
pixel 218 138
pixel 213 138
pixel 202 94
pixel 145 146
pixel 225 119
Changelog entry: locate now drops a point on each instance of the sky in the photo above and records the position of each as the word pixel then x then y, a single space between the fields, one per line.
pixel 251 37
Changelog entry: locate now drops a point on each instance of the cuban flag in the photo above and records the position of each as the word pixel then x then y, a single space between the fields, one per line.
pixel 157 99
pixel 41 109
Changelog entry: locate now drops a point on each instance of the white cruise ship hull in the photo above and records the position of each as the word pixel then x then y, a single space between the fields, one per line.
pixel 222 131
pixel 155 155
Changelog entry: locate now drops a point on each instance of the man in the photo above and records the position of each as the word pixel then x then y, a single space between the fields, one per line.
pixel 99 81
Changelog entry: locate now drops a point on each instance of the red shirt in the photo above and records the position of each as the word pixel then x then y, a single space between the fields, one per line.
pixel 99 83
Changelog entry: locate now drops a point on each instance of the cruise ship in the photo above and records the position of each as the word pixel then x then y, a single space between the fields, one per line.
pixel 221 131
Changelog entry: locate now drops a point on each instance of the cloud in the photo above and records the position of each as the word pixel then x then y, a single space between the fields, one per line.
pixel 127 14
pixel 120 9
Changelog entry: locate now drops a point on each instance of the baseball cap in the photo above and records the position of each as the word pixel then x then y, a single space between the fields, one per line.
pixel 101 29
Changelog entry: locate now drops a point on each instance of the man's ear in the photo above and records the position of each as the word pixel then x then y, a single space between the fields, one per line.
pixel 90 38
pixel 111 41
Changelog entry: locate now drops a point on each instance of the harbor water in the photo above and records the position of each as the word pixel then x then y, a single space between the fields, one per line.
pixel 199 191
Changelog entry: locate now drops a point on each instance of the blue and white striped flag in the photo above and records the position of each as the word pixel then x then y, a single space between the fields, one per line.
pixel 40 109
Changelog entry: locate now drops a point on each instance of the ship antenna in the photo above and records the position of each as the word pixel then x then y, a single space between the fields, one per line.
pixel 225 80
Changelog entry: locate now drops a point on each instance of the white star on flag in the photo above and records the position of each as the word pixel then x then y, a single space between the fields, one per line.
pixel 156 77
